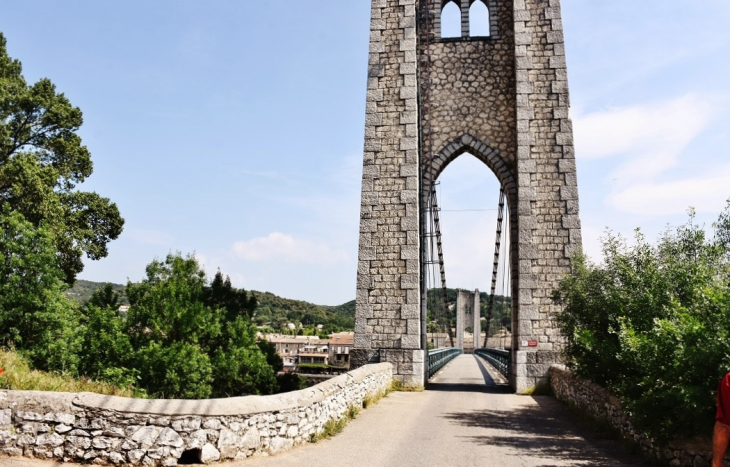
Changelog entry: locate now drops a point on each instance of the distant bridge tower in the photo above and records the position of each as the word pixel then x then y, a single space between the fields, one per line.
pixel 502 97
pixel 467 316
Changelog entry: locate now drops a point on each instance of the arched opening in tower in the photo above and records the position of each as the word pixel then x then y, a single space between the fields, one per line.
pixel 468 196
pixel 479 19
pixel 450 20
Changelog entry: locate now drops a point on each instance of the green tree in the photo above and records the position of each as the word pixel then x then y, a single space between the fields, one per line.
pixel 175 308
pixel 35 315
pixel 179 370
pixel 107 350
pixel 42 160
pixel 235 302
pixel 105 297
pixel 652 324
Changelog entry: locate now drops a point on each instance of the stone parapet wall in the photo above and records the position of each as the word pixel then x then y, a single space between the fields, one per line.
pixel 102 429
pixel 600 404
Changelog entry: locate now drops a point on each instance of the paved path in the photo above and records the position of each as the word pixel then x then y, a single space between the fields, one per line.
pixel 465 418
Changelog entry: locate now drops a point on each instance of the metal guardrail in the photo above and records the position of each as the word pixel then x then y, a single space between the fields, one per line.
pixel 439 357
pixel 500 359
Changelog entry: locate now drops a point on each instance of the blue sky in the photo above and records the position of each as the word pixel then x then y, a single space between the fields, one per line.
pixel 234 129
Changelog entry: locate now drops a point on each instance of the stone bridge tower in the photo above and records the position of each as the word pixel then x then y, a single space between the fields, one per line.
pixel 501 97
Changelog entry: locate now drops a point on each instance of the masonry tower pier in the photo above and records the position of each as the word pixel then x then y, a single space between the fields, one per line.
pixel 501 97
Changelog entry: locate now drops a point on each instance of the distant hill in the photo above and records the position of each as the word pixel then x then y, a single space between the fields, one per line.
pixel 275 311
pixel 82 291
pixel 272 310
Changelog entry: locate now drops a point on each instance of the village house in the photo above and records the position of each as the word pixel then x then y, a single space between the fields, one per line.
pixel 340 345
pixel 314 354
pixel 289 347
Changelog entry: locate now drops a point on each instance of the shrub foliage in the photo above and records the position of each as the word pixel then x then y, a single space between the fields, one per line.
pixel 652 324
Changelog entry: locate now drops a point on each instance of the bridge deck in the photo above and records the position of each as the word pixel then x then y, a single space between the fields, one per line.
pixel 465 418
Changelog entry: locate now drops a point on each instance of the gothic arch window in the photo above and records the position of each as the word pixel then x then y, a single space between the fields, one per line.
pixel 450 20
pixel 479 20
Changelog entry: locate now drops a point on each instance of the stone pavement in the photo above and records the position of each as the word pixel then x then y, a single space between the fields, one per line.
pixel 465 418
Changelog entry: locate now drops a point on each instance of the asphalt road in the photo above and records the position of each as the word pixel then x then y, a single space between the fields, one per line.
pixel 465 418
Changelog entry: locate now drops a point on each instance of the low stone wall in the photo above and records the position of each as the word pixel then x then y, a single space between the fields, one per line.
pixel 313 380
pixel 101 429
pixel 602 405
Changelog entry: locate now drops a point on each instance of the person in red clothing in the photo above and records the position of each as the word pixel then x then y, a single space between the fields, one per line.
pixel 721 435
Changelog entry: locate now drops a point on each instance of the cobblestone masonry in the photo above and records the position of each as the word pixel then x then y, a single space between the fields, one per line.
pixel 503 99
pixel 602 405
pixel 115 430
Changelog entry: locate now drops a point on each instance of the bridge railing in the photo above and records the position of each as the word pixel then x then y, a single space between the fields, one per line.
pixel 439 357
pixel 500 359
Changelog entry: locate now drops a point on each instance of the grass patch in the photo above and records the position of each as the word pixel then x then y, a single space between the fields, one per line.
pixel 372 399
pixel 400 386
pixel 542 389
pixel 395 386
pixel 334 427
pixel 330 429
pixel 18 375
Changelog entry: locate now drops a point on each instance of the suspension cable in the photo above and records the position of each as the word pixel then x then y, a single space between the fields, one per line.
pixel 440 251
pixel 495 268
pixel 507 270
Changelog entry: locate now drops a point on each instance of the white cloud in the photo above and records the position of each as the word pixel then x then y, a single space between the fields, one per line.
pixel 653 135
pixel 279 246
pixel 468 240
pixel 648 140
pixel 705 194
pixel 238 280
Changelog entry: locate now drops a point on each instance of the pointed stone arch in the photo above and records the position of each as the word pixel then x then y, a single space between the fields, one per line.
pixel 492 158
pixel 504 170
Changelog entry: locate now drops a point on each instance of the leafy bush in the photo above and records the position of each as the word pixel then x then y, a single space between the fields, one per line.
pixel 193 339
pixel 290 382
pixel 36 317
pixel 107 350
pixel 652 324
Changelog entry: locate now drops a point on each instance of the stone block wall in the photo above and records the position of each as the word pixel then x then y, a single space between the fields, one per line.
pixel 103 430
pixel 547 206
pixel 602 405
pixel 388 324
